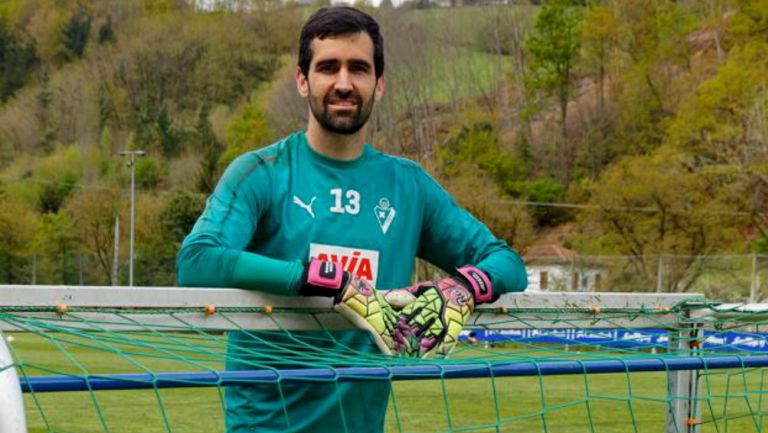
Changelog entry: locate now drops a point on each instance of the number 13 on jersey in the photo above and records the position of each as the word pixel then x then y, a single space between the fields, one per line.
pixel 349 206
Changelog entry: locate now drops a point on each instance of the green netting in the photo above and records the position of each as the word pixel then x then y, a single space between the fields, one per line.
pixel 86 343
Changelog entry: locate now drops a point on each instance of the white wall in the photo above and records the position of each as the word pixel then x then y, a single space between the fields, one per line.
pixel 560 278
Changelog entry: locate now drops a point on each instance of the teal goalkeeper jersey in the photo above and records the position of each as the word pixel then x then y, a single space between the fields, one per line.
pixel 276 207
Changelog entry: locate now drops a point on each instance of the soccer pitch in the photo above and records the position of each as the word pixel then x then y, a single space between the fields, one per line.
pixel 634 402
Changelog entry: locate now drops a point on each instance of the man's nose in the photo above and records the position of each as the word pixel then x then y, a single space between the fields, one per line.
pixel 343 81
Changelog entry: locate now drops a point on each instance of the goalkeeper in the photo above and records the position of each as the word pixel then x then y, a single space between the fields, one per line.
pixel 281 214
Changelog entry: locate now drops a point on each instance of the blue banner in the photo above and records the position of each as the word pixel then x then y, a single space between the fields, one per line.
pixel 727 341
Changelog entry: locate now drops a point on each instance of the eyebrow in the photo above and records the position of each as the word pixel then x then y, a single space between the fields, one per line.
pixel 333 62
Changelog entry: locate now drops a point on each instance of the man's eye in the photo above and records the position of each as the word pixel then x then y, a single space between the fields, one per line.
pixel 359 68
pixel 325 68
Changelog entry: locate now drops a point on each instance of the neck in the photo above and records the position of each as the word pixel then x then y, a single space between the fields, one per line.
pixel 337 146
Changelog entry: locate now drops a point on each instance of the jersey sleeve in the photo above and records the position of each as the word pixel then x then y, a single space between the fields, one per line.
pixel 451 237
pixel 213 254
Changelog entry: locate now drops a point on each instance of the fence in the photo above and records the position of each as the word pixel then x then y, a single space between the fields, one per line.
pixel 84 269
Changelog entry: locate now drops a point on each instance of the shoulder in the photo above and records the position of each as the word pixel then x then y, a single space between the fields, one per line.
pixel 404 168
pixel 400 164
pixel 260 161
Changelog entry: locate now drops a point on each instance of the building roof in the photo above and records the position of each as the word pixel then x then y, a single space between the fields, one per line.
pixel 554 254
pixel 549 252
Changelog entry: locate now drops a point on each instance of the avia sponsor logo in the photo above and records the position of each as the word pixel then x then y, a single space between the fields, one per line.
pixel 356 261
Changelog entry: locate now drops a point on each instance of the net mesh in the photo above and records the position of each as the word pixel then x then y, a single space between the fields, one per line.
pixel 531 370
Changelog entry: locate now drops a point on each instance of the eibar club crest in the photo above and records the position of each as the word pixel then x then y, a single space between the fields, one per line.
pixel 385 213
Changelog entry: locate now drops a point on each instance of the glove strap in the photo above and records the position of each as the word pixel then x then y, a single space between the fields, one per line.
pixel 322 279
pixel 479 283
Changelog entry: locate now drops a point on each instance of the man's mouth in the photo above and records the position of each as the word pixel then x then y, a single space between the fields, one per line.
pixel 345 104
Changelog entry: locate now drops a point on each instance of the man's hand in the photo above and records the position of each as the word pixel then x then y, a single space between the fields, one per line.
pixel 434 313
pixel 353 298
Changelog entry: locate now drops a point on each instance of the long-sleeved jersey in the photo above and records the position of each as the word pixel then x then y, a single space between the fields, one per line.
pixel 276 207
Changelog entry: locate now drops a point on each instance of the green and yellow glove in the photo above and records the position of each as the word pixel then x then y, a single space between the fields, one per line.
pixel 353 298
pixel 433 313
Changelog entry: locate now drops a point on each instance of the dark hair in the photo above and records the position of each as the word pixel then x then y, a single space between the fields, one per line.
pixel 339 21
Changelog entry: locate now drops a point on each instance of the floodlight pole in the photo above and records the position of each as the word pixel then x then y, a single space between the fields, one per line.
pixel 132 163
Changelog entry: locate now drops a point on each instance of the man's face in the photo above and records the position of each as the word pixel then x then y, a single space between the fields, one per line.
pixel 342 85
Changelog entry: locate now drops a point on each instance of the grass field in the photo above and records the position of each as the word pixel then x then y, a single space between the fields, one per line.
pixel 569 404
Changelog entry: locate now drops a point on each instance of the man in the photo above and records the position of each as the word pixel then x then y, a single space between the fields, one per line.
pixel 281 214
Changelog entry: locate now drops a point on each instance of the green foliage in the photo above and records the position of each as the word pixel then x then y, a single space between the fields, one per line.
pixel 57 175
pixel 247 131
pixel 478 145
pixel 75 36
pixel 478 172
pixel 92 213
pixel 18 228
pixel 546 190
pixel 651 36
pixel 17 60
pixel 761 245
pixel 58 241
pixel 211 150
pixel 155 251
pixel 720 120
pixel 649 205
pixel 149 173
pixel 554 42
pixel 107 32
pixel 749 21
pixel 180 213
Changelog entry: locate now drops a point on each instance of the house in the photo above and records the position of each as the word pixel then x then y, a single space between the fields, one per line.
pixel 553 267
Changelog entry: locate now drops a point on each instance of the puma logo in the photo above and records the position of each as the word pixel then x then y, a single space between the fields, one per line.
pixel 306 207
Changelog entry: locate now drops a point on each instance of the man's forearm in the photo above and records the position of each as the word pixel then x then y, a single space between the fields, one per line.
pixel 212 266
pixel 506 270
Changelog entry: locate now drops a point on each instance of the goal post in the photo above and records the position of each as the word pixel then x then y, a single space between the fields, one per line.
pixel 607 333
pixel 12 418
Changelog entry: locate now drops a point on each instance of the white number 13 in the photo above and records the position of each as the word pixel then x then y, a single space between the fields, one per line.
pixel 352 206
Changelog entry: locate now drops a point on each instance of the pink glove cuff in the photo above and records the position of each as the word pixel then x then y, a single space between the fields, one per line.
pixel 479 282
pixel 324 274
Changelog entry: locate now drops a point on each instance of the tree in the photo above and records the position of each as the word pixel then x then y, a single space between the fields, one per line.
pixel 478 145
pixel 481 196
pixel 57 175
pixel 599 39
pixel 724 122
pixel 106 31
pixel 248 130
pixel 75 36
pixel 58 241
pixel 17 59
pixel 18 225
pixel 647 206
pixel 554 43
pixel 180 214
pixel 654 58
pixel 92 212
pixel 211 150
pixel 542 191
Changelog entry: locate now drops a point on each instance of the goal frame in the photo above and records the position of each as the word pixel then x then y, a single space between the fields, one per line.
pixel 278 312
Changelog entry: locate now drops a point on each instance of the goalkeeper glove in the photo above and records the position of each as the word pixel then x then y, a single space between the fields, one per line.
pixel 353 298
pixel 433 313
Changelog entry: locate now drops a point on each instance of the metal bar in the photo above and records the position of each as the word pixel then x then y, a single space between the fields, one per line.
pixel 684 385
pixel 180 297
pixel 395 373
pixel 293 313
pixel 294 320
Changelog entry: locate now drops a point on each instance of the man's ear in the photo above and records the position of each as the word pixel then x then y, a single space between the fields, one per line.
pixel 301 83
pixel 379 90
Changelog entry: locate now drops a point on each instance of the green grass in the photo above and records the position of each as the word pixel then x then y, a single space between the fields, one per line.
pixel 567 404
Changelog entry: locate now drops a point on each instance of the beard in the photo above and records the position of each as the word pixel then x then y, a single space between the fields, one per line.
pixel 346 123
